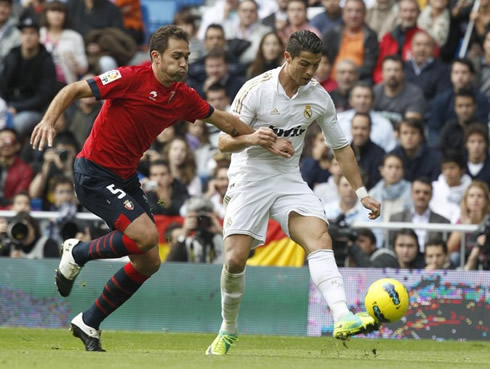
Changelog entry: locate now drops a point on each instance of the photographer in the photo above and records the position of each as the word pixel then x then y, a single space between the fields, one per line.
pixel 364 253
pixel 479 257
pixel 57 161
pixel 201 236
pixel 22 239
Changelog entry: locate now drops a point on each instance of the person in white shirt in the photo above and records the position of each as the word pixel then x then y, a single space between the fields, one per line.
pixel 286 100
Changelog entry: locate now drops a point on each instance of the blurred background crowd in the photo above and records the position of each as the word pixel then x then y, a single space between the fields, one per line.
pixel 410 80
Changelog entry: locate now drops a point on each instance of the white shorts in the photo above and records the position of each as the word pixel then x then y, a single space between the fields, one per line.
pixel 249 205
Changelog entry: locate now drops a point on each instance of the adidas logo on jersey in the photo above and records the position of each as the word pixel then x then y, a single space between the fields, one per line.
pixel 291 132
pixel 275 112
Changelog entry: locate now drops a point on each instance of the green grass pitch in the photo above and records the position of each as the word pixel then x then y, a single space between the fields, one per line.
pixel 52 349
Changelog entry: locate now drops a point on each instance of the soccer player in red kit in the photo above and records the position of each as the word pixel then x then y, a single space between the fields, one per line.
pixel 141 101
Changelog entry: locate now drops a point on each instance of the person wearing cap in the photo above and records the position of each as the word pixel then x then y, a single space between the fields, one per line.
pixel 9 34
pixel 27 82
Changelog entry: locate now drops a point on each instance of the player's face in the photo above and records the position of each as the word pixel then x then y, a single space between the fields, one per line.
pixel 434 256
pixel 360 130
pixel 172 65
pixel 303 67
pixel 406 248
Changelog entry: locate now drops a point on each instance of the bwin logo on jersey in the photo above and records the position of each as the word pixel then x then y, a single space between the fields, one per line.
pixel 291 132
pixel 307 112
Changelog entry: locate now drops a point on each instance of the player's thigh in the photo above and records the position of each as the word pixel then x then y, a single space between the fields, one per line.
pixel 247 207
pixel 237 250
pixel 147 263
pixel 310 232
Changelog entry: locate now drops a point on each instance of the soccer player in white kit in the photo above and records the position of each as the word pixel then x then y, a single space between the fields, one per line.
pixel 262 185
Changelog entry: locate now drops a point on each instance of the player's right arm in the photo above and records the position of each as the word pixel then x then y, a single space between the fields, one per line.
pixel 44 131
pixel 261 137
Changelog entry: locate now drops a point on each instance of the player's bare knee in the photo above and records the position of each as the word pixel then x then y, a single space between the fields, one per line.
pixel 147 239
pixel 147 266
pixel 235 264
pixel 322 241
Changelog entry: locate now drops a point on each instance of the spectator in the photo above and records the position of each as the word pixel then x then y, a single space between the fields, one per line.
pixel 217 188
pixel 323 73
pixel 420 212
pixel 353 40
pixel 346 75
pixel 248 29
pixel 481 19
pixel 27 82
pixel 216 66
pixel 442 107
pixel 424 70
pixel 64 201
pixel 201 240
pixel 132 18
pixel 183 165
pixel 475 206
pixel 314 170
pixel 436 256
pixel 382 17
pixel 81 117
pixel 222 12
pixel 419 160
pixel 395 96
pixel 482 66
pixel 368 154
pixel 198 134
pixel 269 55
pixel 435 19
pixel 398 41
pixel 32 244
pixel 392 190
pixel 328 191
pixel 331 17
pixel 478 257
pixel 21 202
pixel 452 134
pixel 188 21
pixel 450 186
pixel 10 35
pixel 278 19
pixel 297 20
pixel 166 195
pixel 476 143
pixel 57 161
pixel 89 15
pixel 65 45
pixel 361 99
pixel 217 97
pixel 406 248
pixel 364 253
pixel 15 174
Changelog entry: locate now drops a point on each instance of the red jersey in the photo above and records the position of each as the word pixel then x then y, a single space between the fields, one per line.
pixel 137 109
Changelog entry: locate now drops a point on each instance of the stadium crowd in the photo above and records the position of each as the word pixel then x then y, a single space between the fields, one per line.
pixel 411 96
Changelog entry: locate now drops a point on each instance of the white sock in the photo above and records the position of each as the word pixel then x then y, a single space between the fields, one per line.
pixel 325 274
pixel 232 289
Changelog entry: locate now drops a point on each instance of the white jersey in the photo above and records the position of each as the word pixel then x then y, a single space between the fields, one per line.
pixel 262 102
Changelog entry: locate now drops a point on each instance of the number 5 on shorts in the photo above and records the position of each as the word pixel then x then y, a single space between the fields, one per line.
pixel 116 191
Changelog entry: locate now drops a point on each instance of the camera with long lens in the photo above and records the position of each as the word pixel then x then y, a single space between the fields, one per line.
pixel 341 235
pixel 63 154
pixel 17 230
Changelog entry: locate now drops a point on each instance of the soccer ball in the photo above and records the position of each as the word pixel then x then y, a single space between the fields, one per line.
pixel 386 300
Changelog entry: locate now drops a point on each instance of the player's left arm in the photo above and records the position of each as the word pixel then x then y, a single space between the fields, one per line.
pixel 350 169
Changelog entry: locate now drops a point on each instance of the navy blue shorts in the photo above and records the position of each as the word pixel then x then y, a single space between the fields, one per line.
pixel 117 201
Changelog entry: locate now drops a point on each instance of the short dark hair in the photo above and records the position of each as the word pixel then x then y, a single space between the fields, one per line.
pixel 423 180
pixel 407 232
pixel 392 155
pixel 478 129
pixel 413 123
pixel 304 41
pixel 365 115
pixel 365 232
pixel 395 58
pixel 217 53
pixel 456 157
pixel 465 92
pixel 161 162
pixel 11 130
pixel 54 6
pixel 67 138
pixel 59 180
pixel 362 84
pixel 159 40
pixel 215 87
pixel 437 241
pixel 464 61
pixel 214 26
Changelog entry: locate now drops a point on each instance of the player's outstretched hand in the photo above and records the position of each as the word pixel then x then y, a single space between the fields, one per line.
pixel 43 133
pixel 371 204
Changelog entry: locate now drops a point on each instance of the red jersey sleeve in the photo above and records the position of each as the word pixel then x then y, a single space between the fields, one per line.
pixel 198 108
pixel 112 84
